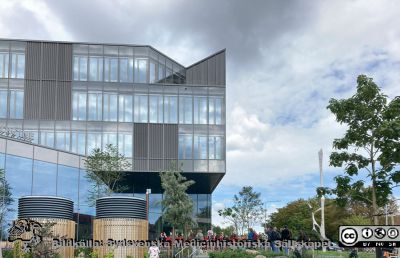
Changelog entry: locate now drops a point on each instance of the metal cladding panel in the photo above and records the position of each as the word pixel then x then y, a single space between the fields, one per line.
pixel 211 67
pixel 33 62
pixel 120 207
pixel 45 207
pixel 65 62
pixel 140 140
pixel 171 141
pixel 49 65
pixel 32 99
pixel 140 165
pixel 156 141
pixel 210 71
pixel 156 165
pixel 48 100
pixel 63 101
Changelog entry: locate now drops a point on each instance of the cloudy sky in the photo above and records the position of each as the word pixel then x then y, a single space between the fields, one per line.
pixel 285 60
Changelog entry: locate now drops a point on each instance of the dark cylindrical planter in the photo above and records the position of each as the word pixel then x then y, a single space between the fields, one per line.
pixel 120 218
pixel 50 209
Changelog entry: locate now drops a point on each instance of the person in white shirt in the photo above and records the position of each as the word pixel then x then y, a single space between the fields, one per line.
pixel 154 251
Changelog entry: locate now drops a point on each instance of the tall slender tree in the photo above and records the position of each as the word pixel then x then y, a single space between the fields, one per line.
pixel 5 201
pixel 369 151
pixel 177 204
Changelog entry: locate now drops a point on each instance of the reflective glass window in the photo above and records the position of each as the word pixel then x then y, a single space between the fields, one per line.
pixel 3 103
pixel 63 141
pixel 141 108
pixel 156 108
pixel 18 169
pixel 200 147
pixel 204 206
pixel 80 68
pixel 125 144
pixel 79 105
pixel 185 146
pixel 110 112
pixel 67 183
pixel 44 178
pixel 168 75
pixel 141 70
pixel 34 135
pixel 125 69
pixel 152 75
pixel 170 109
pixel 110 69
pixel 125 108
pixel 78 142
pixel 200 110
pixel 93 142
pixel 94 106
pixel 47 138
pixel 17 65
pixel 85 187
pixel 16 104
pixel 96 68
pixel 185 110
pixel 4 65
pixel 215 110
pixel 161 72
pixel 109 138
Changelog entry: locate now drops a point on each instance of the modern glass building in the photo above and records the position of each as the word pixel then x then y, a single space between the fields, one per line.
pixel 60 100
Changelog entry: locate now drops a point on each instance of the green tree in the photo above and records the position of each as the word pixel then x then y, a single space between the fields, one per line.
pixel 5 201
pixel 105 169
pixel 227 231
pixel 177 204
pixel 246 211
pixel 370 145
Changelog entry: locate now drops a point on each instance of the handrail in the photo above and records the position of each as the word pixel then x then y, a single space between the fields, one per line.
pixel 181 251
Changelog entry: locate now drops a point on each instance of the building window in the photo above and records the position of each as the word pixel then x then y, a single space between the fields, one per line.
pixel 4 65
pixel 79 105
pixel 185 110
pixel 125 108
pixel 215 147
pixel 16 104
pixel 78 140
pixel 3 103
pixel 126 69
pixel 93 142
pixel 170 109
pixel 109 138
pixel 125 144
pixel 200 147
pixel 152 75
pixel 95 68
pixel 110 69
pixel 185 146
pixel 168 75
pixel 141 108
pixel 17 65
pixel 140 70
pixel 63 141
pixel 94 106
pixel 156 109
pixel 215 110
pixel 200 110
pixel 47 138
pixel 110 107
pixel 161 72
pixel 80 68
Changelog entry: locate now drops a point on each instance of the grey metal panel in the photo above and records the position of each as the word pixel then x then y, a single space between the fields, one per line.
pixel 203 73
pixel 33 61
pixel 156 141
pixel 140 140
pixel 49 64
pixel 140 165
pixel 48 100
pixel 65 62
pixel 211 79
pixel 32 99
pixel 171 141
pixel 221 69
pixel 63 101
pixel 156 165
